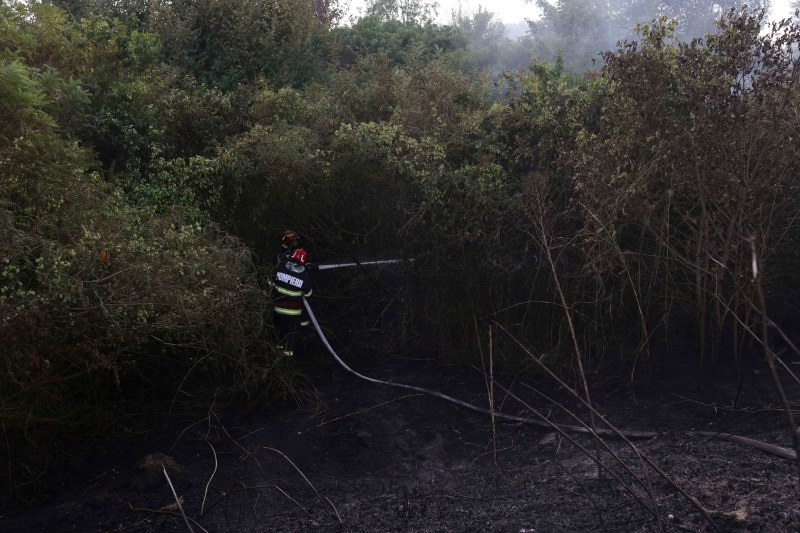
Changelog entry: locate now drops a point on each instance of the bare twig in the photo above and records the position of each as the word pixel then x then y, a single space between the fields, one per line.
pixel 583 489
pixel 586 452
pixel 769 356
pixel 613 429
pixel 489 379
pixel 778 451
pixel 287 497
pixel 205 493
pixel 9 455
pixel 545 237
pixel 494 452
pixel 166 511
pixel 305 478
pixel 361 411
pixel 456 401
pixel 247 453
pixel 101 280
pixel 177 500
pixel 336 511
pixel 491 393
pixel 644 483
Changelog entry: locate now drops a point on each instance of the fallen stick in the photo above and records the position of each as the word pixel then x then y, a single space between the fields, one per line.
pixel 784 453
pixel 177 500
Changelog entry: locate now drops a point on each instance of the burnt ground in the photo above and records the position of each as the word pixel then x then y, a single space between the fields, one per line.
pixel 354 456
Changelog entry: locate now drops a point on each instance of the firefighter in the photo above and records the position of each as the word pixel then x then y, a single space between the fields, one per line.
pixel 292 283
pixel 290 241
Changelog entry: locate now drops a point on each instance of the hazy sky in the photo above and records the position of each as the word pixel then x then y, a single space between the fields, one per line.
pixel 511 11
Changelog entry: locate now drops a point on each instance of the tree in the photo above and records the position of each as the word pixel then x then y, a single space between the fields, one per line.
pixel 395 39
pixel 582 29
pixel 674 184
pixel 579 30
pixel 419 12
pixel 229 42
pixel 485 39
pixel 87 278
pixel 695 18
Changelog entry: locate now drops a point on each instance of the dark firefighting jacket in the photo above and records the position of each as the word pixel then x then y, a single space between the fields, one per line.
pixel 291 283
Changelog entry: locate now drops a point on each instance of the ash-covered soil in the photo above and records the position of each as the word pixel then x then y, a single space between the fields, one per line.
pixel 355 456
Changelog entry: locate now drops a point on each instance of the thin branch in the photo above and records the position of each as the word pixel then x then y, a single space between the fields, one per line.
pixel 336 511
pixel 205 493
pixel 769 356
pixel 304 477
pixel 645 484
pixel 177 500
pixel 456 401
pixel 489 379
pixel 289 498
pixel 361 411
pixel 613 429
pixel 587 453
pixel 772 449
pixel 166 511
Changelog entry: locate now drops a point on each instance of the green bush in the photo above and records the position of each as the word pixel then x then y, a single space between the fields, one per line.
pixel 93 289
pixel 261 172
pixel 695 155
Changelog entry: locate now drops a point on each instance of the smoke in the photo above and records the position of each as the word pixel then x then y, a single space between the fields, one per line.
pixel 581 30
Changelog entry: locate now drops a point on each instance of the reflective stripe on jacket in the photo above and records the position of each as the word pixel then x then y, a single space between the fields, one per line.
pixel 291 282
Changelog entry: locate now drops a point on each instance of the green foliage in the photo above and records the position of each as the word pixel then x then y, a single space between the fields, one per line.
pixel 191 184
pixel 23 98
pixel 676 178
pixel 195 119
pixel 473 42
pixel 261 172
pixel 97 76
pixel 435 99
pixel 467 205
pixel 310 145
pixel 419 12
pixel 582 30
pixel 87 280
pixel 367 91
pixel 41 35
pixel 374 169
pixel 532 138
pixel 228 42
pixel 547 109
pixel 395 38
pixel 29 144
pixel 486 45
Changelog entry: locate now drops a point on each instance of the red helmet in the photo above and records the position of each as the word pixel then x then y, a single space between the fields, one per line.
pixel 300 256
pixel 289 237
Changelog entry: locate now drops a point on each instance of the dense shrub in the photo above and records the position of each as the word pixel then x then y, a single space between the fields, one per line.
pixel 92 288
pixel 231 42
pixel 373 35
pixel 695 156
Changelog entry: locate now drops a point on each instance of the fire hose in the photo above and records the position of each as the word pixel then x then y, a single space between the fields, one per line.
pixel 360 263
pixel 461 403
pixel 772 449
